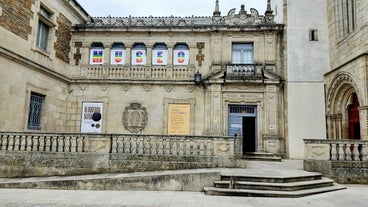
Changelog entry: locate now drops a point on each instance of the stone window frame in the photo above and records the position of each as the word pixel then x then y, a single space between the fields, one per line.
pixel 31 89
pixel 168 101
pixel 46 19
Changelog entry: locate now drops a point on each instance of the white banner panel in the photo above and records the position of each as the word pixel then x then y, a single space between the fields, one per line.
pixel 139 57
pixel 91 117
pixel 117 57
pixel 181 57
pixel 159 57
pixel 96 56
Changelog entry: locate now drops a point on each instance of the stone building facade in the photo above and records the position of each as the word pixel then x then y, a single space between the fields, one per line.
pixel 306 60
pixel 195 76
pixel 346 82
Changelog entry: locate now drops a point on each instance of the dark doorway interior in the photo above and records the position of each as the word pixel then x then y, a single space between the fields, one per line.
pixel 354 120
pixel 249 134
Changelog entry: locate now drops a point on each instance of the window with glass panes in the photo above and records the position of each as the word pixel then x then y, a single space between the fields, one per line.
pixel 43 28
pixel 242 53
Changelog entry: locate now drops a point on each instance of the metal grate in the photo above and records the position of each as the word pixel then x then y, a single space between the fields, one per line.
pixel 242 110
pixel 35 111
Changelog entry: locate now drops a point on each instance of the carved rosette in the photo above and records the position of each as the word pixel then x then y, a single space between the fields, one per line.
pixel 135 118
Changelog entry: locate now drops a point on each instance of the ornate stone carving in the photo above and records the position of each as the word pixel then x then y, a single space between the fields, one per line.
pixel 135 118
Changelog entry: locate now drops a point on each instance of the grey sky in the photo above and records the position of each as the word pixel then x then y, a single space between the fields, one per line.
pixel 123 8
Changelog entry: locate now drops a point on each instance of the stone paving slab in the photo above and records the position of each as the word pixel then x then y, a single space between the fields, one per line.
pixel 355 195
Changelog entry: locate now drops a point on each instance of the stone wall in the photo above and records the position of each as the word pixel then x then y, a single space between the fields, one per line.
pixel 16 16
pixel 345 161
pixel 47 154
pixel 63 34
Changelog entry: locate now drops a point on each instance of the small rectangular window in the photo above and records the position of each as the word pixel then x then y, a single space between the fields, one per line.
pixel 35 111
pixel 313 35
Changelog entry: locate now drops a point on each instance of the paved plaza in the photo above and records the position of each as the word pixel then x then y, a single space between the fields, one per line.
pixel 354 195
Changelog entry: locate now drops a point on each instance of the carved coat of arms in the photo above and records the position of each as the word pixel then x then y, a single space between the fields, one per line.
pixel 135 118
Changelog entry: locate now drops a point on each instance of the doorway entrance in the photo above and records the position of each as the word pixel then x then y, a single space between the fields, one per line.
pixel 354 120
pixel 242 123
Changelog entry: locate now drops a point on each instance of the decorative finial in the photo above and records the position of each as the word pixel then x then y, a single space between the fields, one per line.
pixel 268 5
pixel 242 10
pixel 217 9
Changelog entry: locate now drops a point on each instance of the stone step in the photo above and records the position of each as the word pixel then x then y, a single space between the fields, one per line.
pixel 170 180
pixel 307 176
pixel 269 193
pixel 291 186
pixel 261 156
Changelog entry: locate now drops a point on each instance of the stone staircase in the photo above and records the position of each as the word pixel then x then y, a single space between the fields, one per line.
pixel 272 186
pixel 261 156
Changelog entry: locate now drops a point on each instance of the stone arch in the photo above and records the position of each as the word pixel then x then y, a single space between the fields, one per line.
pixel 339 98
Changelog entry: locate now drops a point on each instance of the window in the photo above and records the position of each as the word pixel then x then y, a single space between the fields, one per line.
pixel 181 54
pixel 96 54
pixel 242 53
pixel 44 26
pixel 313 35
pixel 159 54
pixel 117 56
pixel 139 55
pixel 35 111
pixel 345 16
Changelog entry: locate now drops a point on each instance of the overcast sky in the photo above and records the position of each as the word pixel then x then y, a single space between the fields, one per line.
pixel 138 8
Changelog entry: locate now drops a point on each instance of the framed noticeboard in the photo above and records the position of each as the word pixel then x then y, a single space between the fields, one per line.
pixel 179 119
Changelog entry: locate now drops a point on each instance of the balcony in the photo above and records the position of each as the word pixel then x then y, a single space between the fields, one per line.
pixel 111 72
pixel 244 71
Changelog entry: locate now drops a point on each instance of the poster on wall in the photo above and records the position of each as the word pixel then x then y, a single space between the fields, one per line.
pixel 181 57
pixel 117 57
pixel 179 119
pixel 91 117
pixel 96 56
pixel 159 57
pixel 139 57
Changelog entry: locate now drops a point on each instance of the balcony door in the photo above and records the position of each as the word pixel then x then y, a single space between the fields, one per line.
pixel 242 53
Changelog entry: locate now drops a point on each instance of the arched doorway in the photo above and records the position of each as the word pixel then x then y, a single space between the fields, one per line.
pixel 343 121
pixel 353 116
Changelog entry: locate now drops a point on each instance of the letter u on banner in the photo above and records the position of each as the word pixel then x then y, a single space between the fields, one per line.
pixel 117 57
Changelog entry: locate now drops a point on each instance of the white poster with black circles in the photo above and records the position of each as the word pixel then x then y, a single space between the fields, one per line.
pixel 91 117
